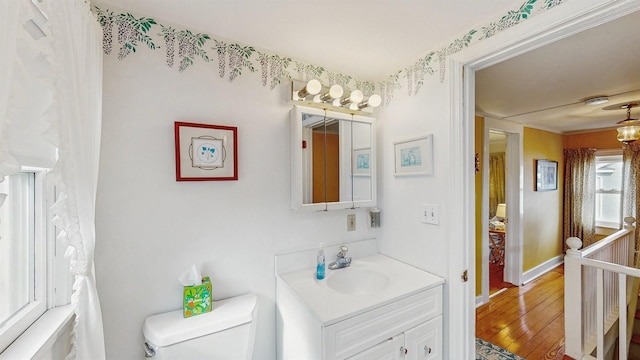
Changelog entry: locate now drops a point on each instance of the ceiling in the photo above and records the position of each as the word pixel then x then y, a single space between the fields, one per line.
pixel 367 39
pixel 373 39
pixel 545 88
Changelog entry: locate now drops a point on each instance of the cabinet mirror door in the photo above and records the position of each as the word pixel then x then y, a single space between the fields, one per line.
pixel 332 160
pixel 362 179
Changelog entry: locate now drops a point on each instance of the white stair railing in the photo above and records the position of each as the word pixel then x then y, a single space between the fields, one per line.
pixel 597 292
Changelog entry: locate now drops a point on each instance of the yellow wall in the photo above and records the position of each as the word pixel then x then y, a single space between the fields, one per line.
pixel 542 227
pixel 478 147
pixel 542 220
pixel 605 139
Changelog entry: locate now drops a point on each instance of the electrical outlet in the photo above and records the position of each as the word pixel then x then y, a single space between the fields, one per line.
pixel 351 222
pixel 429 214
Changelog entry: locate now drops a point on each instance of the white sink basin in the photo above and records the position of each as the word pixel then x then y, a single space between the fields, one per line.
pixel 369 282
pixel 357 281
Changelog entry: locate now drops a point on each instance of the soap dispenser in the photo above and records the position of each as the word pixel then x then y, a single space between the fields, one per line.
pixel 320 263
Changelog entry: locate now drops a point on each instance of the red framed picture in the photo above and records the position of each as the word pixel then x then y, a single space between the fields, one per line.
pixel 206 152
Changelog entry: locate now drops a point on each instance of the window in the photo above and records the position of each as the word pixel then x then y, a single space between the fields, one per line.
pixel 609 191
pixel 23 253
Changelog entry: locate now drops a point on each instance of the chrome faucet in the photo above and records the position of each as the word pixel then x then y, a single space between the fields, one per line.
pixel 342 261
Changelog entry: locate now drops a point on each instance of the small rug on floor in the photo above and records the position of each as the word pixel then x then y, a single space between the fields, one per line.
pixel 488 351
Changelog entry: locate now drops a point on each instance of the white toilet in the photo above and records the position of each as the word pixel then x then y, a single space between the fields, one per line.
pixel 225 333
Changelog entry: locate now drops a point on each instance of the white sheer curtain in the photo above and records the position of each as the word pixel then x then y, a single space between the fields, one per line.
pixel 71 90
pixel 74 78
pixel 10 13
pixel 76 39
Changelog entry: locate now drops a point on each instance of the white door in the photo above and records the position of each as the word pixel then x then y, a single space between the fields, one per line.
pixel 514 199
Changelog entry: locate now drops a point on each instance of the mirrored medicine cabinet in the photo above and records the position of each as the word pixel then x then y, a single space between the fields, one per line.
pixel 333 158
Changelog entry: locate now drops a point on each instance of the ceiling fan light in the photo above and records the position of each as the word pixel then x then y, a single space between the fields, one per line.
pixel 596 100
pixel 629 133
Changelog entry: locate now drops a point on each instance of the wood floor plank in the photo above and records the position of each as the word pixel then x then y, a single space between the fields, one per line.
pixel 527 320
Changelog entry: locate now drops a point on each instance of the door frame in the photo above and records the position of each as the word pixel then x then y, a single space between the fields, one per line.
pixel 566 19
pixel 514 194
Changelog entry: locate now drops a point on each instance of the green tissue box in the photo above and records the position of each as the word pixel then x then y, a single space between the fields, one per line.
pixel 197 298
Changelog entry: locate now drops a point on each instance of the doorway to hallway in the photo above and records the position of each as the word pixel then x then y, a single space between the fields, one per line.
pixel 501 200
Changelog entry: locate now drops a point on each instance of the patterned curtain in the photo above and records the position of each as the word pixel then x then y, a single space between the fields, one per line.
pixel 630 193
pixel 580 195
pixel 496 182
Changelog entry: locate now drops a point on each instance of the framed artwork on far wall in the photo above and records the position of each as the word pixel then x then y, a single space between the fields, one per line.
pixel 414 156
pixel 206 152
pixel 546 175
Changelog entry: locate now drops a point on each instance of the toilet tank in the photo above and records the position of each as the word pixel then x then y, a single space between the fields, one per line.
pixel 225 333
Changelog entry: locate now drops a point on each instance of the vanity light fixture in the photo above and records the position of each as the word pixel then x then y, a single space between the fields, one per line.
pixel 629 131
pixel 314 94
pixel 312 87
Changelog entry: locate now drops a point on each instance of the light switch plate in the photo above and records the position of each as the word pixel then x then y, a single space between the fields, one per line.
pixel 351 222
pixel 429 214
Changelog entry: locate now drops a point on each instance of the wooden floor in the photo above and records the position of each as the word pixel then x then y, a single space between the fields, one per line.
pixel 496 276
pixel 527 320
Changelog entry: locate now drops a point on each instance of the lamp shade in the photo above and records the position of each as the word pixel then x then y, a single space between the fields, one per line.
pixel 629 132
pixel 501 211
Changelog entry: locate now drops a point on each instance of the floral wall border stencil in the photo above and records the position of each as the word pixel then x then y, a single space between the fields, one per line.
pixel 234 59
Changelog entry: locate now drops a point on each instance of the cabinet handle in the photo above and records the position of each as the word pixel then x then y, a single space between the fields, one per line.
pixel 427 349
pixel 403 350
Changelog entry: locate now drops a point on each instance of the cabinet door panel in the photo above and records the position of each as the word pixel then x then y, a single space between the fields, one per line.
pixel 361 332
pixel 424 342
pixel 392 349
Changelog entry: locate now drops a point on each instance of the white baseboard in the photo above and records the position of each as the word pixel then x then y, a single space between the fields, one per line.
pixel 542 269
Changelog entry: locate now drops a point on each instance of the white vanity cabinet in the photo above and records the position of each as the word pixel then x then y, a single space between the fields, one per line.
pixel 413 322
pixel 419 343
pixel 391 349
pixel 374 309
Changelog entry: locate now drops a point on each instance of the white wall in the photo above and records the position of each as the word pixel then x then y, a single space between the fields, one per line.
pixel 150 227
pixel 403 235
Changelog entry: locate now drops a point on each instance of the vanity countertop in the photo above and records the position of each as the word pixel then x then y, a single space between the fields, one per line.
pixel 331 306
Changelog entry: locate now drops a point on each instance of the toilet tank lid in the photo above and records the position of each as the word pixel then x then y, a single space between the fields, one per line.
pixel 171 327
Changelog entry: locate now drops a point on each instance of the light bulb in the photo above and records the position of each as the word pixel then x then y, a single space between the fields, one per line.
pixel 334 92
pixel 355 97
pixel 374 101
pixel 313 87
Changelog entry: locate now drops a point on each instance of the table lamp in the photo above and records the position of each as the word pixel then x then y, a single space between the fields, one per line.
pixel 501 211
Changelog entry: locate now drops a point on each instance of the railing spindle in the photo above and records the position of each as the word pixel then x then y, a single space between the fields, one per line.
pixel 594 309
